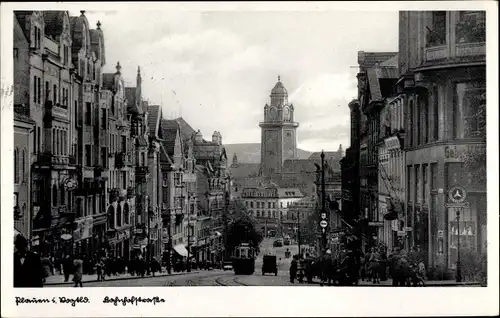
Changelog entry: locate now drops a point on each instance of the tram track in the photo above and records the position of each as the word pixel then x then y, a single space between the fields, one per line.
pixel 234 280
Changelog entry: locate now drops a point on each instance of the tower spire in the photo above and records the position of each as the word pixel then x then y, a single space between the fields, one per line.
pixel 279 78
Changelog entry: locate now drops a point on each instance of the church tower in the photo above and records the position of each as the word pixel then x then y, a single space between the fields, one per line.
pixel 278 136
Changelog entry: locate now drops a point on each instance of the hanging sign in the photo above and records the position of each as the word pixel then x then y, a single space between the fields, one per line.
pixel 323 224
pixel 457 194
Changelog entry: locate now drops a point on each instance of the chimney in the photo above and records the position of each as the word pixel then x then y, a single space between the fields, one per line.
pixel 220 137
pixel 198 137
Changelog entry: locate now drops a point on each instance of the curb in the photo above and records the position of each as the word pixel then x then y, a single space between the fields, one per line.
pixel 120 278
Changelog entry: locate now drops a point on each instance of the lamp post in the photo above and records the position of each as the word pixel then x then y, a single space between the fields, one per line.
pixel 458 275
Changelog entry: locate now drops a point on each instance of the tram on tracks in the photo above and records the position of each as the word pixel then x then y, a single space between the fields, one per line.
pixel 244 259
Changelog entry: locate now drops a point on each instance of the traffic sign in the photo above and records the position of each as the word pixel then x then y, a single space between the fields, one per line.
pixel 457 194
pixel 323 215
pixel 323 224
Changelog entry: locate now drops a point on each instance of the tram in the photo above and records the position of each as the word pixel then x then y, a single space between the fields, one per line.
pixel 243 259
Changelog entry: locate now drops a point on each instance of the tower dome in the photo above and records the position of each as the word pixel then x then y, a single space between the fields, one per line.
pixel 279 94
pixel 279 89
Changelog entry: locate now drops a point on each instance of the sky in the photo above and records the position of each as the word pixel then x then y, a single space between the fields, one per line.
pixel 217 68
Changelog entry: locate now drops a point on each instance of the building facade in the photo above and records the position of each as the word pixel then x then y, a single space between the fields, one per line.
pixel 445 88
pixel 279 139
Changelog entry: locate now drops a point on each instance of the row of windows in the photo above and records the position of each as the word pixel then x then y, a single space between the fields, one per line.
pixel 120 217
pixel 120 179
pixel 59 142
pixel 265 214
pixel 470 27
pixel 262 205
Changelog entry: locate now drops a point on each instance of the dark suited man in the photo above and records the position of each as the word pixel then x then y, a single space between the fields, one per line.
pixel 28 268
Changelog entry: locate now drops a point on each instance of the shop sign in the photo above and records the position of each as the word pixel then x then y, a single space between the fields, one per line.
pixel 392 143
pixel 375 223
pixel 407 229
pixel 440 234
pixel 83 228
pixel 401 233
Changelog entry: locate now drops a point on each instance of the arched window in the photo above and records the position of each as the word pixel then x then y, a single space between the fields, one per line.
pixel 111 217
pixel 16 165
pixel 54 141
pixel 126 214
pixel 23 165
pixel 54 195
pixel 119 215
pixel 39 138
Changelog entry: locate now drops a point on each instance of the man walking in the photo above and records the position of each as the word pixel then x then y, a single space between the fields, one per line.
pixel 28 268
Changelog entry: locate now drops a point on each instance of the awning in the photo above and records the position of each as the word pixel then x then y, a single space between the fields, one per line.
pixel 181 250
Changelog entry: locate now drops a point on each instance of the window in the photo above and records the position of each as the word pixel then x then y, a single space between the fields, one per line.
pixel 471 27
pixel 165 180
pixel 39 137
pixel 88 114
pixel 76 113
pixel 424 101
pixel 143 155
pixel 54 95
pixel 23 165
pixel 16 53
pixel 34 139
pixel 251 204
pixel 104 157
pixel 124 143
pixel 119 216
pixel 54 195
pixel 434 176
pixel 54 147
pixel 34 89
pixel 435 113
pixel 63 196
pixel 124 179
pixel 16 165
pixel 425 182
pixel 47 90
pixel 258 204
pixel 268 205
pixel 104 122
pixel 436 33
pixel 39 90
pixel 470 110
pixel 177 179
pixel 88 155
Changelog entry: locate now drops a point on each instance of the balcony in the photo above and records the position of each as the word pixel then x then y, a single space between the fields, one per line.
pixel 48 159
pixel 122 160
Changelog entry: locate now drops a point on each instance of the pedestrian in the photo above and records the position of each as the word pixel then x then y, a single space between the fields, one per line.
pixel 78 272
pixel 293 269
pixel 99 269
pixel 375 265
pixel 67 267
pixel 28 268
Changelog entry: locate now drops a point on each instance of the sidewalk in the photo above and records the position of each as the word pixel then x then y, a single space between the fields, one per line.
pixel 59 279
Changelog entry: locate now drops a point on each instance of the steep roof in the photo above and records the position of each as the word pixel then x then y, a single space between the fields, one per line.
pixel 130 95
pixel 244 170
pixel 374 84
pixel 289 193
pixel 369 59
pixel 186 130
pixel 21 18
pixel 169 131
pixel 164 157
pixel 154 119
pixel 54 21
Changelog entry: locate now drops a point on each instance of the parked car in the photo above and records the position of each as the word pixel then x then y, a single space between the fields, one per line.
pixel 277 243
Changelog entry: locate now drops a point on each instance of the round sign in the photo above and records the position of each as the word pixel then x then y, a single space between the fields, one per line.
pixel 66 237
pixel 323 223
pixel 457 194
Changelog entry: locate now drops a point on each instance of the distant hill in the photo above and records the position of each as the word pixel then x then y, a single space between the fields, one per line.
pixel 250 153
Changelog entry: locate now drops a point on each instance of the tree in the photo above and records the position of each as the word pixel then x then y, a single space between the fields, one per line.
pixel 242 228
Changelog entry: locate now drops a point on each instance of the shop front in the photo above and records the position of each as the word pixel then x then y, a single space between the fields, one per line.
pixel 119 244
pixel 82 236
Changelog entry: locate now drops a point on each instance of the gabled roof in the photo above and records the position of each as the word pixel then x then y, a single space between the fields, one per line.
pixel 21 18
pixel 169 132
pixel 53 21
pixel 154 119
pixel 186 130
pixel 164 157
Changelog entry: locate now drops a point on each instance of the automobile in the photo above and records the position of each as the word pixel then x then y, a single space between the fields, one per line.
pixel 286 241
pixel 269 265
pixel 227 266
pixel 277 243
